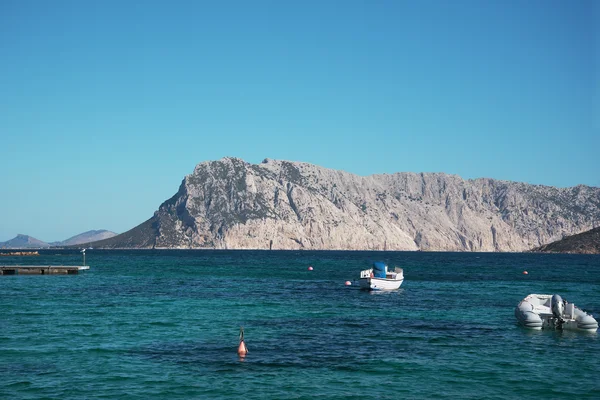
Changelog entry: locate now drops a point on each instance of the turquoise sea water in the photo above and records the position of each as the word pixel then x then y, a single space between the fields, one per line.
pixel 165 324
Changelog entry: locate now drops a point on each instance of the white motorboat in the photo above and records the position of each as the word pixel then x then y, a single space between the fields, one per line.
pixel 546 311
pixel 379 278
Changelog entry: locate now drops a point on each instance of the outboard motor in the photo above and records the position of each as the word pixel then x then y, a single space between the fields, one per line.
pixel 558 309
pixel 558 306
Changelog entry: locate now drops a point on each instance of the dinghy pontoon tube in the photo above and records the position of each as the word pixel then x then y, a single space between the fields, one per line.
pixel 544 311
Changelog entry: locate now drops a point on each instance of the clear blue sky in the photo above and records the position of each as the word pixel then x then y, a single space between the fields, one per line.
pixel 105 106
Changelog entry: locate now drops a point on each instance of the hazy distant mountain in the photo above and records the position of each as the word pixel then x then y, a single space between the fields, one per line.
pixel 231 204
pixel 86 237
pixel 23 242
pixel 582 243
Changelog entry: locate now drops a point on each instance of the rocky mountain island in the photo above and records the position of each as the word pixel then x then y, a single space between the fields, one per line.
pixel 23 242
pixel 232 204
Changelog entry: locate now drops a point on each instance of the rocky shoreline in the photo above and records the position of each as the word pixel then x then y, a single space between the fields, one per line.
pixel 20 253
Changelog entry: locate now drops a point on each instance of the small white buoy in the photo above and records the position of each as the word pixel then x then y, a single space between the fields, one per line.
pixel 525 272
pixel 310 268
pixel 348 283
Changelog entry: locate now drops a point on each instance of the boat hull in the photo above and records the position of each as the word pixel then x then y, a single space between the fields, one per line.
pixel 380 283
pixel 535 312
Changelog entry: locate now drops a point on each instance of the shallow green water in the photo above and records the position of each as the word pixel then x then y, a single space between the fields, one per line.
pixel 165 324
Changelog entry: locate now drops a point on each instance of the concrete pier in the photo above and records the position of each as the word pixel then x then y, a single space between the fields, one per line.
pixel 42 269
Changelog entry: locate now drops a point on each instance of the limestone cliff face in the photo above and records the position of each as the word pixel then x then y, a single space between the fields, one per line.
pixel 231 204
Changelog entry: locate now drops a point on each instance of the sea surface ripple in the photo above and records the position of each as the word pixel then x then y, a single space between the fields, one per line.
pixel 164 324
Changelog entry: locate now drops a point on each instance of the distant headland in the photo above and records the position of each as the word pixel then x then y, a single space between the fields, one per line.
pixel 232 204
pixel 583 243
pixel 26 242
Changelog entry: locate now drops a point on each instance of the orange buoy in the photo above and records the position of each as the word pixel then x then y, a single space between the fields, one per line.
pixel 310 268
pixel 525 272
pixel 348 283
pixel 242 349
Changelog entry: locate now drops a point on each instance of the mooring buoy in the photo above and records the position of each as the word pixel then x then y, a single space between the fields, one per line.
pixel 242 349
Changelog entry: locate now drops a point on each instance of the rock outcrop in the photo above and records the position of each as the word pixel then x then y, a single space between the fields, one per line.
pixel 583 243
pixel 231 204
pixel 19 253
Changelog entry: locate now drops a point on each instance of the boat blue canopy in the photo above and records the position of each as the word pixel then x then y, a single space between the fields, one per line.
pixel 379 269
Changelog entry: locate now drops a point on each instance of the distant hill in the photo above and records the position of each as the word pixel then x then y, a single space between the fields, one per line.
pixel 142 236
pixel 86 237
pixel 23 242
pixel 26 242
pixel 583 243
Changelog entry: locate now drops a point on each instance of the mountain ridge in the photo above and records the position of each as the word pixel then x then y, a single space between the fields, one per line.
pixel 25 241
pixel 22 241
pixel 278 204
pixel 85 237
